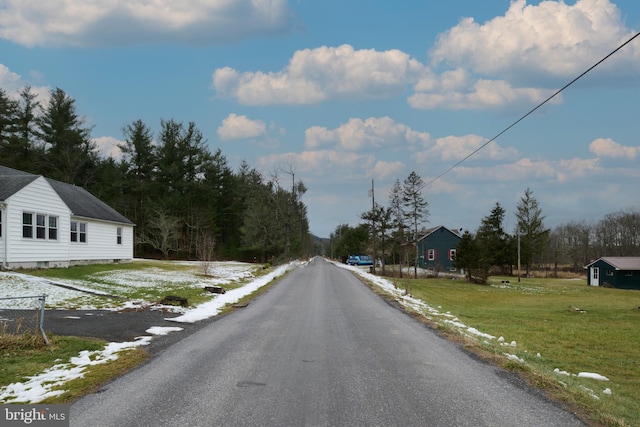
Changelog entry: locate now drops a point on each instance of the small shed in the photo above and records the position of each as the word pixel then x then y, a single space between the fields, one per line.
pixel 617 272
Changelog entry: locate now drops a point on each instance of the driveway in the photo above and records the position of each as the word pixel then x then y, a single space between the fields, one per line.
pixel 119 326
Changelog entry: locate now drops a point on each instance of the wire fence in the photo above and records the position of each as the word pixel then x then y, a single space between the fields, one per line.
pixel 22 315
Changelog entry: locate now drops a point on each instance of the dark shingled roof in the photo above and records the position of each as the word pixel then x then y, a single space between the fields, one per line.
pixel 78 200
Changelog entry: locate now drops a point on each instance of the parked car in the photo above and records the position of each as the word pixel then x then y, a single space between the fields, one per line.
pixel 359 260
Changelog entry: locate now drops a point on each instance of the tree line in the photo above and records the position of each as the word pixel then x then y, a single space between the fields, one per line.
pixel 185 200
pixel 390 233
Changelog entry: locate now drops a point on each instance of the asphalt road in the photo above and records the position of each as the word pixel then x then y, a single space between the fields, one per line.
pixel 318 349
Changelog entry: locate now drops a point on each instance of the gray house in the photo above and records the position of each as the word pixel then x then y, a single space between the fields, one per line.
pixel 48 223
pixel 617 272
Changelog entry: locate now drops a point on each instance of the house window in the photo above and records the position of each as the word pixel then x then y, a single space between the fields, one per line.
pixel 53 228
pixel 119 236
pixel 431 254
pixel 78 232
pixel 452 254
pixel 46 226
pixel 27 225
pixel 41 226
pixel 609 272
pixel 628 273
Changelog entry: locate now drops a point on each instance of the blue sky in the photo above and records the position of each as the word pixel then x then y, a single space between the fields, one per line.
pixel 343 92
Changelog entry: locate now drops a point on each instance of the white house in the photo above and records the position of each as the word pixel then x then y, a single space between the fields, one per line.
pixel 48 223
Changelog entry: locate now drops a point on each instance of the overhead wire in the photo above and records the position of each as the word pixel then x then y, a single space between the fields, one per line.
pixel 529 113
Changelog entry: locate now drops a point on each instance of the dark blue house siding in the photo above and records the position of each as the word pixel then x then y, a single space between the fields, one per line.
pixel 436 250
pixel 603 273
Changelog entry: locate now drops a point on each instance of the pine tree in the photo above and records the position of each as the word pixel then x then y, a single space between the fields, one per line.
pixel 530 225
pixel 415 208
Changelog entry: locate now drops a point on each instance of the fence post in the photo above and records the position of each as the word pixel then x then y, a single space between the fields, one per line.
pixel 43 299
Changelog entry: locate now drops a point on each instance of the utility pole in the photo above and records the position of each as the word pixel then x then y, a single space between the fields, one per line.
pixel 373 224
pixel 518 254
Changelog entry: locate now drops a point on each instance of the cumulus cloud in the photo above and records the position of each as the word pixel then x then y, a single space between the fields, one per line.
pixel 10 81
pixel 240 127
pixel 358 134
pixel 13 84
pixel 480 94
pixel 552 39
pixel 454 148
pixel 118 22
pixel 606 147
pixel 322 162
pixel 531 170
pixel 523 57
pixel 383 169
pixel 315 75
pixel 107 146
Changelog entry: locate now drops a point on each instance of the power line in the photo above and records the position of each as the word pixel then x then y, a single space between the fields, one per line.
pixel 529 113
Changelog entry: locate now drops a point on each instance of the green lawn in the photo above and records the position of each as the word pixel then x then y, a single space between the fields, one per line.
pixel 557 324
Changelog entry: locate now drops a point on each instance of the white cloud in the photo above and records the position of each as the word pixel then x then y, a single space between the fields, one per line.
pixel 358 134
pixel 606 147
pixel 13 83
pixel 315 75
pixel 454 148
pixel 531 170
pixel 552 39
pixel 10 81
pixel 108 147
pixel 240 127
pixel 480 94
pixel 322 163
pixel 113 22
pixel 384 169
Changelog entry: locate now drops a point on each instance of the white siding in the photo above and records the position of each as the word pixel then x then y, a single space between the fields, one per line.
pixel 101 244
pixel 38 198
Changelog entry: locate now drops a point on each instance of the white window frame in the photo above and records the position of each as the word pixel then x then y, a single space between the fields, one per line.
pixel 52 229
pixel 431 254
pixel 27 226
pixel 119 236
pixel 78 229
pixel 41 226
pixel 452 254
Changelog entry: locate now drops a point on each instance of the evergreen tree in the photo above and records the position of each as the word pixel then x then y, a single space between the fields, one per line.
pixel 139 160
pixel 492 240
pixel 415 208
pixel 530 225
pixel 27 152
pixel 468 258
pixel 70 154
pixel 8 121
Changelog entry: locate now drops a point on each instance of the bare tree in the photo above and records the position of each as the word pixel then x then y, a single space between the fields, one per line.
pixel 205 249
pixel 163 233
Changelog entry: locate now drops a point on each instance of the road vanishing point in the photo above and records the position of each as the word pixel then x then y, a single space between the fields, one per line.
pixel 319 348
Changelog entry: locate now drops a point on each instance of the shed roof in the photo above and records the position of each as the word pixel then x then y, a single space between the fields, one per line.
pixel 79 201
pixel 427 232
pixel 620 263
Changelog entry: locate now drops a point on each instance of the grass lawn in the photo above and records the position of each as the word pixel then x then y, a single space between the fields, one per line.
pixel 558 324
pixel 26 355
